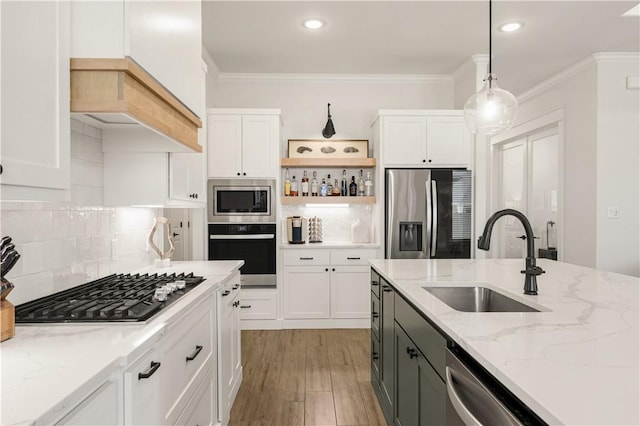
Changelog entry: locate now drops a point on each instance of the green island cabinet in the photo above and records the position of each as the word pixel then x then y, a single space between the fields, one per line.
pixel 408 356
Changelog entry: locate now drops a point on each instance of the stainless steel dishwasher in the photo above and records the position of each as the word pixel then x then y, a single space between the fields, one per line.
pixel 470 402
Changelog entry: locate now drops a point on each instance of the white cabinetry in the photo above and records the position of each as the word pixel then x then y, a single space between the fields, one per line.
pixel 424 139
pixel 258 304
pixel 102 407
pixel 326 283
pixel 133 178
pixel 230 360
pixel 35 119
pixel 243 143
pixel 164 37
pixel 160 386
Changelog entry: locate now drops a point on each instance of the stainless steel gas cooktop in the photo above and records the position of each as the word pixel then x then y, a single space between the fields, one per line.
pixel 117 297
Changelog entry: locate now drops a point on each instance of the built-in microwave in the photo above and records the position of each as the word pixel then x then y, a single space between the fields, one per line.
pixel 241 200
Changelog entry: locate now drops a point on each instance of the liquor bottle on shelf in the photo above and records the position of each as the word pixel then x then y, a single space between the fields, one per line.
pixel 336 189
pixel 323 188
pixel 294 187
pixel 314 185
pixel 344 188
pixel 287 184
pixel 329 186
pixel 368 185
pixel 353 187
pixel 305 185
pixel 361 186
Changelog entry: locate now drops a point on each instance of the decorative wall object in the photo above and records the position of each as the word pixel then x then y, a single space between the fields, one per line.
pixel 311 148
pixel 166 256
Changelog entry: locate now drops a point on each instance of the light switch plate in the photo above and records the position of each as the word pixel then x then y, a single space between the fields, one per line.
pixel 613 212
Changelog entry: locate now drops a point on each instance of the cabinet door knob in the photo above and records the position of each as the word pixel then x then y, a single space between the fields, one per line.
pixel 196 195
pixel 244 174
pixel 333 269
pixel 429 160
pixel 326 269
pixel 424 161
pixel 238 173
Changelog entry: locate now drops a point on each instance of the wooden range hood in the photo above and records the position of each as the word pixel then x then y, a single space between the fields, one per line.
pixel 119 94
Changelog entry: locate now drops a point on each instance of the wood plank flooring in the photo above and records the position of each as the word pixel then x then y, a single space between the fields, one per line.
pixel 306 377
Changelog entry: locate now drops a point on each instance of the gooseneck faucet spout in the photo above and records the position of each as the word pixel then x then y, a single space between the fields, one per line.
pixel 531 271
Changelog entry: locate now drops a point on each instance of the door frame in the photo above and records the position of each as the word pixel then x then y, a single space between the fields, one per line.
pixel 539 124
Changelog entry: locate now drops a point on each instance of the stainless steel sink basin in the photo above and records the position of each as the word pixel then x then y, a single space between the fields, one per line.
pixel 478 299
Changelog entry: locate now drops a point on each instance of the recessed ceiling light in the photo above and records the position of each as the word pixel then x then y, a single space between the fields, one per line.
pixel 313 24
pixel 511 26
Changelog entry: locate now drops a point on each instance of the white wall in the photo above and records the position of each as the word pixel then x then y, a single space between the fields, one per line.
pixel 303 101
pixel 577 95
pixel 66 244
pixel 618 130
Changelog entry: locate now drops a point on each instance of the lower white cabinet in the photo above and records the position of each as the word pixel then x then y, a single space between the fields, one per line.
pixel 159 387
pixel 230 360
pixel 142 387
pixel 306 292
pixel 102 407
pixel 257 304
pixel 201 410
pixel 326 283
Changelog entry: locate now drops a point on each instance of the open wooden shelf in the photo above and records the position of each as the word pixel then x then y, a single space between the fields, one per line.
pixel 327 200
pixel 329 162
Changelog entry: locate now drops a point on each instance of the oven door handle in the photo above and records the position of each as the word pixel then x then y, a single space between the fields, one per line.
pixel 243 237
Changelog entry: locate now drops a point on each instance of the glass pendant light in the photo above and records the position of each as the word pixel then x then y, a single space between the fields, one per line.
pixel 491 110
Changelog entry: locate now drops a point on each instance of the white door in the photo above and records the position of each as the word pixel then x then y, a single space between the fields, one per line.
pixel 528 178
pixel 350 288
pixel 180 220
pixel 306 292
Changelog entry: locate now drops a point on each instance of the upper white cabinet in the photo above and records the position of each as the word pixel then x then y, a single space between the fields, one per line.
pixel 35 119
pixel 163 37
pixel 243 143
pixel 424 139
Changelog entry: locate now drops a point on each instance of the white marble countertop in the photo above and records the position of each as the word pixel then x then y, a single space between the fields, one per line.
pixel 48 369
pixel 330 245
pixel 576 363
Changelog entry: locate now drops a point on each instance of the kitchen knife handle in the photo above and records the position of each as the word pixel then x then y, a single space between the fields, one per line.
pixel 152 369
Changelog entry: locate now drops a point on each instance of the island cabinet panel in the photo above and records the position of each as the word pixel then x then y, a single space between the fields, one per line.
pixel 102 407
pixel 420 394
pixel 407 359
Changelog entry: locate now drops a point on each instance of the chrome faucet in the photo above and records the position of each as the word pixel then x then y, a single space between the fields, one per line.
pixel 531 271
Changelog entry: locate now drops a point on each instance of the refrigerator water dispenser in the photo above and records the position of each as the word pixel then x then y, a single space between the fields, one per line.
pixel 410 236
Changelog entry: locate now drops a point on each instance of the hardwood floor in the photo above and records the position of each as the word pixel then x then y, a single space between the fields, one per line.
pixel 306 377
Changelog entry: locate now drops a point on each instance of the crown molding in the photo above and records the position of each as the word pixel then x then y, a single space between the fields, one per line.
pixel 557 79
pixel 362 78
pixel 616 57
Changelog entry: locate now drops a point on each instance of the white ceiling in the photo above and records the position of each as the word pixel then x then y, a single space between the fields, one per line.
pixel 414 37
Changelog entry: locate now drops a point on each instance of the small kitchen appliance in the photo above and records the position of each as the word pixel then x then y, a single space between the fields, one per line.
pixel 296 227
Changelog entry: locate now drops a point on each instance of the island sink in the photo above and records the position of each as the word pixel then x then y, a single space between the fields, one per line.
pixel 477 299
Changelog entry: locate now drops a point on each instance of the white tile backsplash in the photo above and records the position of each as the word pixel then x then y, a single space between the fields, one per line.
pixel 66 244
pixel 336 221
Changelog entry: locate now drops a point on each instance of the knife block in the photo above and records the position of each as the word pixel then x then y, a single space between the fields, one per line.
pixel 7 320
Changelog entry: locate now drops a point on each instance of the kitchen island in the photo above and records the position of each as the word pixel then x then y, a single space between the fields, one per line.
pixel 575 362
pixel 49 369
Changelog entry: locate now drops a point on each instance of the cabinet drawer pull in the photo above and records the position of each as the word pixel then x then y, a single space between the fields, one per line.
pixel 374 315
pixel 375 355
pixel 306 258
pixel 353 258
pixel 375 283
pixel 195 353
pixel 152 369
pixel 386 288
pixel 235 287
pixel 245 306
pixel 412 353
pixel 226 293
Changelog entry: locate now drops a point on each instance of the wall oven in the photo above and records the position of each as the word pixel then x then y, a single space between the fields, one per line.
pixel 255 243
pixel 241 200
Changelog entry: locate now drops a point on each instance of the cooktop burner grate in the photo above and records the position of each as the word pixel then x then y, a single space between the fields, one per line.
pixel 117 297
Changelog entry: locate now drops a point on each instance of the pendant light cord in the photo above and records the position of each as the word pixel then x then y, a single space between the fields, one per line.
pixel 490 27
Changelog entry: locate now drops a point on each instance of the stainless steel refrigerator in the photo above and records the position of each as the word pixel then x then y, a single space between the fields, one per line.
pixel 427 213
